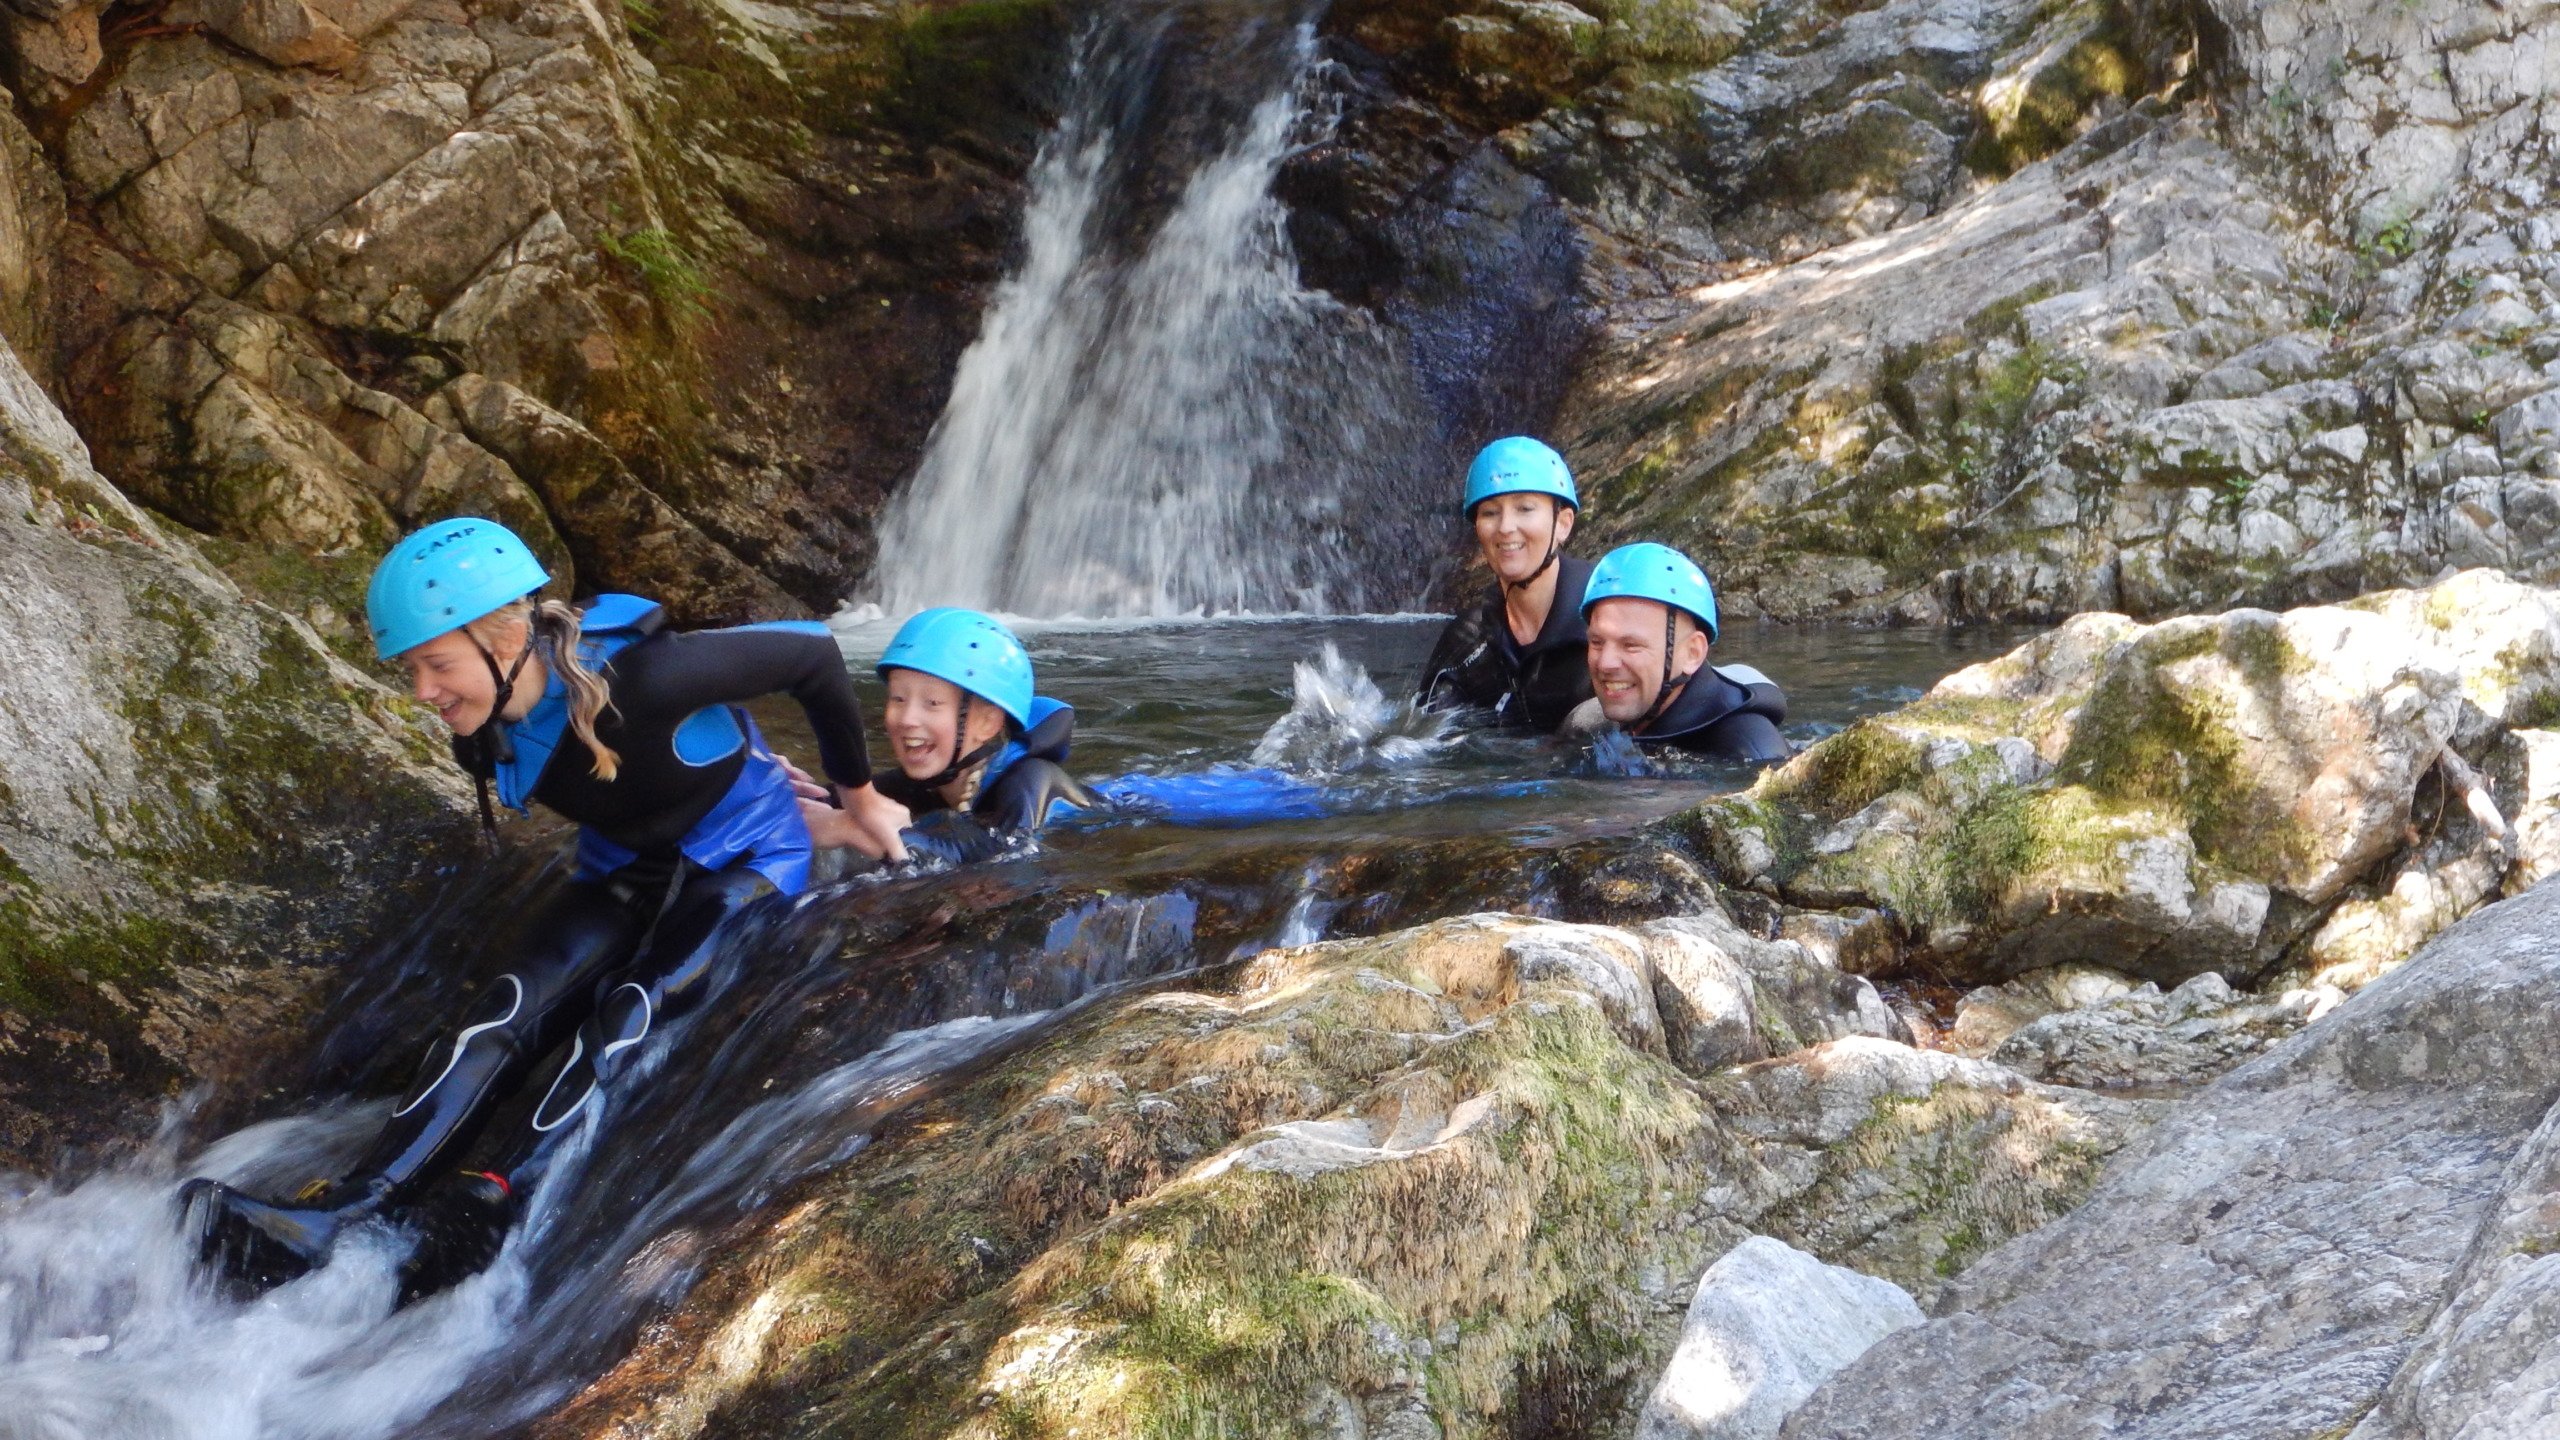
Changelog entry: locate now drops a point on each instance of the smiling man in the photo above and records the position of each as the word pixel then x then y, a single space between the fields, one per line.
pixel 1649 618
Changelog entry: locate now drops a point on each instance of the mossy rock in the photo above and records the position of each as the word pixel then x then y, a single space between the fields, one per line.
pixel 210 811
pixel 2164 800
pixel 1386 1178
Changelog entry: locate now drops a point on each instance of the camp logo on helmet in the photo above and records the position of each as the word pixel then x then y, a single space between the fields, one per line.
pixel 445 576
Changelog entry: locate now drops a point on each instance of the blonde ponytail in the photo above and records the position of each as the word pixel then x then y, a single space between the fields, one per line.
pixel 554 630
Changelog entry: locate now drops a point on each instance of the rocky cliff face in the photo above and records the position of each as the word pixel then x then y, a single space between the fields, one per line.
pixel 1915 311
pixel 2231 305
pixel 670 289
pixel 177 765
pixel 1924 310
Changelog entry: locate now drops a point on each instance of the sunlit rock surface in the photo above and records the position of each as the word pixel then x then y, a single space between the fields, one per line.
pixel 308 240
pixel 1768 1325
pixel 1442 1178
pixel 2244 793
pixel 2344 1236
pixel 2154 309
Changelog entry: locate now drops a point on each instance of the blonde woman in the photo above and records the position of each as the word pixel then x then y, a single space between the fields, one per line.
pixel 633 731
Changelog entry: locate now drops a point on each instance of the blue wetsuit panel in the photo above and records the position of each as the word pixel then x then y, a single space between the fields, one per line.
pixel 707 736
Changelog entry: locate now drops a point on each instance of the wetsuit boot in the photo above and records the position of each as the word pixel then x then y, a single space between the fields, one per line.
pixel 461 1223
pixel 262 1245
pixel 512 1021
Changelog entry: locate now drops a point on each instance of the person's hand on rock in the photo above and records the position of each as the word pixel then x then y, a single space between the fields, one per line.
pixel 861 819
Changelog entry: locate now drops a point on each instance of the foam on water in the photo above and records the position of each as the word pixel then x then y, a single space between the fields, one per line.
pixel 108 1328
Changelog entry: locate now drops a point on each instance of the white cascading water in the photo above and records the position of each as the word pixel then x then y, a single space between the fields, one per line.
pixel 109 1329
pixel 1177 432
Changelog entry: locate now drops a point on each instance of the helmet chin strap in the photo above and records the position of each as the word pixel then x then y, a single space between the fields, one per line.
pixel 496 746
pixel 1663 692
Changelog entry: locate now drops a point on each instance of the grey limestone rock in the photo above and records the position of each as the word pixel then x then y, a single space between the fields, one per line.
pixel 1769 1323
pixel 187 774
pixel 2266 1260
pixel 1727 997
pixel 2143 1038
pixel 2246 794
pixel 1909 1163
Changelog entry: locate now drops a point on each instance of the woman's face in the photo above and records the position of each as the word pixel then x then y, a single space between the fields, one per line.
pixel 922 711
pixel 1516 532
pixel 449 674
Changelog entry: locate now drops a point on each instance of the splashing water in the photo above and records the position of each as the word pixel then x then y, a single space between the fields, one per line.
pixel 1340 723
pixel 109 1328
pixel 1179 431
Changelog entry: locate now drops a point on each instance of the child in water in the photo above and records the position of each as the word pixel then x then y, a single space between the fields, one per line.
pixel 980 756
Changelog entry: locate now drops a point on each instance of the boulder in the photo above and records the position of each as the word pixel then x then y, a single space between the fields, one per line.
pixel 31 219
pixel 2232 793
pixel 1992 1013
pixel 1910 1164
pixel 318 33
pixel 1769 1324
pixel 2484 1365
pixel 1356 1187
pixel 1728 998
pixel 2266 1259
pixel 188 776
pixel 2145 1039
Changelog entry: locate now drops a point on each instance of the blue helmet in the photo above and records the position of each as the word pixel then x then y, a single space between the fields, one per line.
pixel 971 651
pixel 1653 572
pixel 443 578
pixel 1518 466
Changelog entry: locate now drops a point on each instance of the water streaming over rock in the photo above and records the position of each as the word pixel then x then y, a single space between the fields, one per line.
pixel 865 996
pixel 1157 417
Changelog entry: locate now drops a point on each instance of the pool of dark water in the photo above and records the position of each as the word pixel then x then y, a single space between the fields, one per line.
pixel 1189 697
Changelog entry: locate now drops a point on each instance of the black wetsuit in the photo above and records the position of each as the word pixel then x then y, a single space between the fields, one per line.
pixel 1477 662
pixel 1723 718
pixel 1025 782
pixel 700 823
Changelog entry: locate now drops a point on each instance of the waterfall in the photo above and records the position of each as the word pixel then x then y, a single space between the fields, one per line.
pixel 1165 423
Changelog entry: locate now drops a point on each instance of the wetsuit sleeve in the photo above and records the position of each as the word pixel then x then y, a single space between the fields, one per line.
pixel 1022 797
pixel 1449 677
pixel 679 673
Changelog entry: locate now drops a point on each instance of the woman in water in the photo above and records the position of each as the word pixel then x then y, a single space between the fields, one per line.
pixel 632 730
pixel 980 757
pixel 1520 654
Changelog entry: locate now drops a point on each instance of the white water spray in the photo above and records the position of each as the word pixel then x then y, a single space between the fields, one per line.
pixel 1176 432
pixel 1340 723
pixel 108 1327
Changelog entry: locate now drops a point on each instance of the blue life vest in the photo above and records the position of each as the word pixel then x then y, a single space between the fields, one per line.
pixel 758 819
